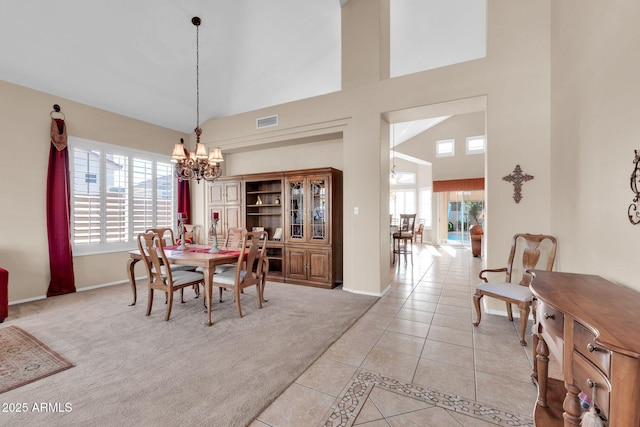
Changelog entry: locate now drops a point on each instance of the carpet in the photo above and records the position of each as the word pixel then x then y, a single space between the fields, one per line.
pixel 24 359
pixel 137 370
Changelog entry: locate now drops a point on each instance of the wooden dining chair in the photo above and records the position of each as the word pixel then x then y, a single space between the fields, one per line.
pixel 164 279
pixel 248 270
pixel 528 251
pixel 167 238
pixel 192 233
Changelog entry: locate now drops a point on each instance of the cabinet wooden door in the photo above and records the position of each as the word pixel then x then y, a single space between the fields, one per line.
pixel 318 266
pixel 225 201
pixel 306 264
pixel 308 209
pixel 295 262
pixel 224 193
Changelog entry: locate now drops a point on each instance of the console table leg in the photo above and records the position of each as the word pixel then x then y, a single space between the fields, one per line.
pixel 571 406
pixel 541 364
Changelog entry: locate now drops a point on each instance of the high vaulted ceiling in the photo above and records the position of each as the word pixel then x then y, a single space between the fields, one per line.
pixel 138 57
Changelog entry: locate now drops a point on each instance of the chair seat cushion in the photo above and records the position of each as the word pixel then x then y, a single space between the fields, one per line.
pixel 228 277
pixel 176 267
pixel 181 277
pixel 509 290
pixel 403 235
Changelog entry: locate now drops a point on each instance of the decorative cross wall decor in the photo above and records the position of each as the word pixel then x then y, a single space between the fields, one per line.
pixel 517 178
pixel 634 214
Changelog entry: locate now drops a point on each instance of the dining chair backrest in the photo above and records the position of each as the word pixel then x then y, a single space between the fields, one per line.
pixel 165 234
pixel 192 233
pixel 253 248
pixel 407 222
pixel 234 237
pixel 151 249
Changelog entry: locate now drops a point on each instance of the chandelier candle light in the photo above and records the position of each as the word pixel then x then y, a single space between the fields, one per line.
pixel 198 164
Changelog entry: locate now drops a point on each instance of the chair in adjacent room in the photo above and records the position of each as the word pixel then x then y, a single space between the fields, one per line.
pixel 419 231
pixel 248 270
pixel 403 237
pixel 165 280
pixel 528 251
pixel 475 235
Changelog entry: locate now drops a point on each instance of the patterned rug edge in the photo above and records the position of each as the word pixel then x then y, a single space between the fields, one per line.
pixel 65 364
pixel 347 407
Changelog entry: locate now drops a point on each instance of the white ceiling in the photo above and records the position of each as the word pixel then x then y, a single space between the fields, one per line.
pixel 138 57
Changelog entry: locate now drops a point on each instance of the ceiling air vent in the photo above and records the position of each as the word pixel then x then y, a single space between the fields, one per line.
pixel 265 122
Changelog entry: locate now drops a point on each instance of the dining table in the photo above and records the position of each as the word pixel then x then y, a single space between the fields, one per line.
pixel 192 255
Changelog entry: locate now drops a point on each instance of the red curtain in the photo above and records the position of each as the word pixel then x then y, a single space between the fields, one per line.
pixel 59 213
pixel 184 199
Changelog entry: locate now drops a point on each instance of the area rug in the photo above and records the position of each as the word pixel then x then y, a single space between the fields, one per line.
pixel 350 404
pixel 25 359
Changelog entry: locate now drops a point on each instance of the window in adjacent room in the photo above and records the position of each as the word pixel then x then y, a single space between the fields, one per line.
pixel 117 193
pixel 475 144
pixel 446 148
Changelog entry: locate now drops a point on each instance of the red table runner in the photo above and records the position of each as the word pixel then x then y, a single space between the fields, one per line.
pixel 203 250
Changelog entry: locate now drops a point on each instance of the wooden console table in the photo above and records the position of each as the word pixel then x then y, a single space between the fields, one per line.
pixel 592 327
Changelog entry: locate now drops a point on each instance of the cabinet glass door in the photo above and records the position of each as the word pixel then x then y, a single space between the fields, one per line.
pixel 296 209
pixel 318 214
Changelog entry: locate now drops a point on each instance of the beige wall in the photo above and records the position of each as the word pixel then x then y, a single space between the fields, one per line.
pixel 458 127
pixel 25 142
pixel 595 130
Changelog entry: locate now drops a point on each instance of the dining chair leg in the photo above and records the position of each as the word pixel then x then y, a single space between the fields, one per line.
pixel 259 292
pixel 169 305
pixel 220 299
pixel 149 301
pixel 182 295
pixel 237 297
pixel 476 303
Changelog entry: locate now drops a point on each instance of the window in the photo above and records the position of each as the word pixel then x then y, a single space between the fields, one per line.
pixel 475 144
pixel 405 178
pixel 402 201
pixel 446 148
pixel 425 205
pixel 117 193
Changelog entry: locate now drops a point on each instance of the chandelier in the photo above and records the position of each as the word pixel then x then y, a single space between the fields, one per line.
pixel 199 164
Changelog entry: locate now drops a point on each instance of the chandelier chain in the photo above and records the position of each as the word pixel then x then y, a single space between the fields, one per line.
pixel 197 76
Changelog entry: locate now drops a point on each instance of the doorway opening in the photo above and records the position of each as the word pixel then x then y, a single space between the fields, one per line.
pixel 457 212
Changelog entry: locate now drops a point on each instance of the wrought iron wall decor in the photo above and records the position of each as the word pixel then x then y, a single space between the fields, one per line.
pixel 634 214
pixel 517 178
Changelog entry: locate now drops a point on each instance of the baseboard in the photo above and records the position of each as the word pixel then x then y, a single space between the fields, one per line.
pixel 88 288
pixel 372 294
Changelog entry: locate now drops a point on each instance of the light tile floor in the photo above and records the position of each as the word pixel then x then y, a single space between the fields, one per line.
pixel 415 358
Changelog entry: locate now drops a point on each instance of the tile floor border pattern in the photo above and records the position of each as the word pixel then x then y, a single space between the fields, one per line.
pixel 348 406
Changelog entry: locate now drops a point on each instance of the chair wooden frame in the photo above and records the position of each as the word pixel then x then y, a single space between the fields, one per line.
pixel 515 289
pixel 404 236
pixel 163 279
pixel 419 231
pixel 249 269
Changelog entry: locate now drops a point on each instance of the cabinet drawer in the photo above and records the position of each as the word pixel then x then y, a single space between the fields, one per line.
pixel 551 320
pixel 583 339
pixel 585 371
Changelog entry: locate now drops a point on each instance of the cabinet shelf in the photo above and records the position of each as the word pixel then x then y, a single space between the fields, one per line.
pixel 265 192
pixel 263 213
pixel 264 205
